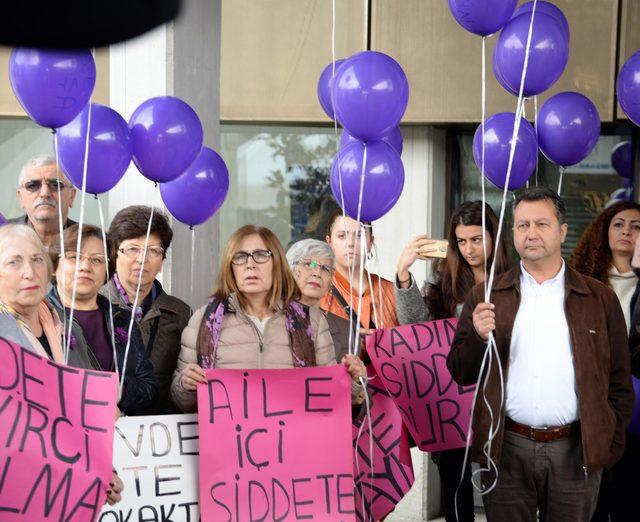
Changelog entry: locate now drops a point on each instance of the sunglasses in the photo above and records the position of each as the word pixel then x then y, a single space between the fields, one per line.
pixel 35 185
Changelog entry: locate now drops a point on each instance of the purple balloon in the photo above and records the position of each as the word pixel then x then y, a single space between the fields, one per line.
pixel 622 159
pixel 109 148
pixel 3 220
pixel 568 128
pixel 549 9
pixel 325 82
pixel 370 94
pixel 196 195
pixel 483 17
pixel 167 137
pixel 634 426
pixel 383 179
pixel 628 88
pixel 52 85
pixel 548 54
pixel 498 132
pixel 393 138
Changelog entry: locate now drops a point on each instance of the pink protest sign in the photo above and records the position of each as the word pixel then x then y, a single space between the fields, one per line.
pixel 56 438
pixel 384 476
pixel 276 445
pixel 411 360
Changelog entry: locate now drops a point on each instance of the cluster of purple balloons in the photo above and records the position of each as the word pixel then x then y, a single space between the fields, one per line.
pixel 568 124
pixel 164 135
pixel 368 95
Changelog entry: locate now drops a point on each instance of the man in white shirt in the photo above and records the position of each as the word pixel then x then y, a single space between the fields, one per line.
pixel 562 345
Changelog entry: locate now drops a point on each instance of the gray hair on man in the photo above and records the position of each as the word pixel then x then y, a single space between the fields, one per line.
pixel 306 248
pixel 42 160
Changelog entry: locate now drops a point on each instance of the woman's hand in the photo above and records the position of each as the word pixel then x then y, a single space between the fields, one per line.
pixel 355 366
pixel 191 376
pixel 114 489
pixel 408 257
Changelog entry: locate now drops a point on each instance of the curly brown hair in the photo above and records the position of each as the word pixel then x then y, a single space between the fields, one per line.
pixel 592 255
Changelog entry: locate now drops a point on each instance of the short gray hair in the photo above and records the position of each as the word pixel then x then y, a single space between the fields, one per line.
pixel 306 248
pixel 43 160
pixel 16 234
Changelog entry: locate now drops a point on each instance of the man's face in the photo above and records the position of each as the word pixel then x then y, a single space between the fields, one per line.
pixel 38 194
pixel 537 232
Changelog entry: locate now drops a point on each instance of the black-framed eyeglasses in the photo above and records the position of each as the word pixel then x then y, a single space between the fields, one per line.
pixel 260 256
pixel 310 264
pixel 35 185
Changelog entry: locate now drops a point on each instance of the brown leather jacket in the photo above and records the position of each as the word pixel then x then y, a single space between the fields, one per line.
pixel 600 354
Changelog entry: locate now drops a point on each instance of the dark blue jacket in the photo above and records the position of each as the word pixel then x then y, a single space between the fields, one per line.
pixel 140 390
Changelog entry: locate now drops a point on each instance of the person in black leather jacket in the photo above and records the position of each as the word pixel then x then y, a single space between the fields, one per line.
pixel 93 335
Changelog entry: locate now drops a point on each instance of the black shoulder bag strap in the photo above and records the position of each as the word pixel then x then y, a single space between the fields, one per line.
pixel 343 303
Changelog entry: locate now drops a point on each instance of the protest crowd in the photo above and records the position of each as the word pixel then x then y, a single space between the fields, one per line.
pixel 566 330
pixel 299 388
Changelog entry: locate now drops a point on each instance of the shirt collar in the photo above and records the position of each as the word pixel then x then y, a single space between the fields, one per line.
pixel 527 279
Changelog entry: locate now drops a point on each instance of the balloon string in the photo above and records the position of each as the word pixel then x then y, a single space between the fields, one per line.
pixel 535 126
pixel 135 302
pixel 193 257
pixel 108 287
pixel 561 170
pixel 492 349
pixel 80 225
pixel 61 235
pixel 484 195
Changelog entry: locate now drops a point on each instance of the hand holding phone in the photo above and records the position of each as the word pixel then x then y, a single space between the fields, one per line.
pixel 437 248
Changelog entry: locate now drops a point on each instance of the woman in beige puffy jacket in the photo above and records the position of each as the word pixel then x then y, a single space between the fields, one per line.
pixel 253 320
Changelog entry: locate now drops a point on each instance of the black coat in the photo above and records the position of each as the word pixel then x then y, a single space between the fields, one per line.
pixel 634 331
pixel 140 390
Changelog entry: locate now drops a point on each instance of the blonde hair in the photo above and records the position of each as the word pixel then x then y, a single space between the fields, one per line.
pixel 13 234
pixel 283 289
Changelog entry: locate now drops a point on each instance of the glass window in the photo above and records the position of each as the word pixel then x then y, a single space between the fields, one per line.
pixel 279 178
pixel 586 187
pixel 21 140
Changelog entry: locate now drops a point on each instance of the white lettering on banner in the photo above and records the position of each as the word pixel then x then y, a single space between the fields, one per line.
pixel 157 459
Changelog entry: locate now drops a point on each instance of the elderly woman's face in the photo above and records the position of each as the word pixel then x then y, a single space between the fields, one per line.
pixel 23 276
pixel 92 270
pixel 129 260
pixel 253 277
pixel 313 275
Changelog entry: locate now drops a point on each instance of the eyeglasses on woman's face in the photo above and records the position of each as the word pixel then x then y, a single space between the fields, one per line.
pixel 95 260
pixel 310 265
pixel 260 256
pixel 153 252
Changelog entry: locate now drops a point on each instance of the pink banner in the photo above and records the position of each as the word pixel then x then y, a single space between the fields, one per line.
pixel 381 480
pixel 411 360
pixel 56 438
pixel 276 445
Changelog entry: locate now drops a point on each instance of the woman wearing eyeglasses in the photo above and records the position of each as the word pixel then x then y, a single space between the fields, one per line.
pixel 91 332
pixel 253 320
pixel 161 317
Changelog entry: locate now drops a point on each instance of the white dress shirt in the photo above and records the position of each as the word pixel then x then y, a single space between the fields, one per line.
pixel 541 389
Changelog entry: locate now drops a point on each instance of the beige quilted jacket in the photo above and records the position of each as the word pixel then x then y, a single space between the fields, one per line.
pixel 240 343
